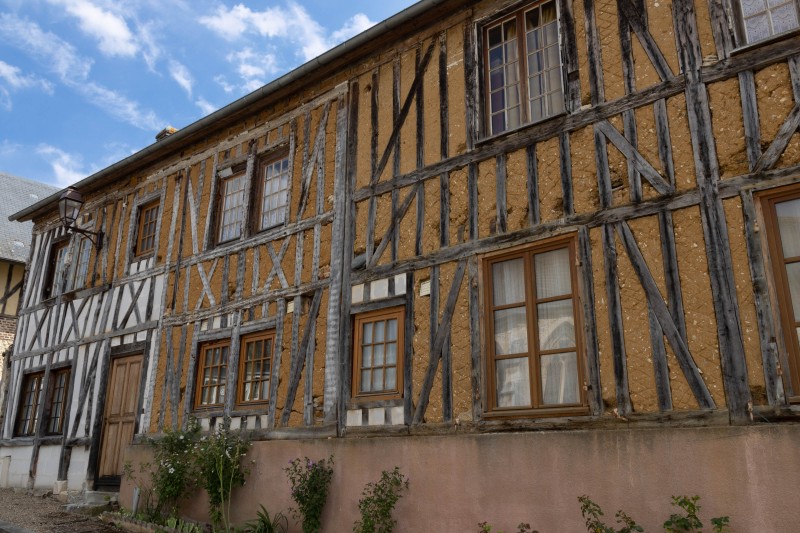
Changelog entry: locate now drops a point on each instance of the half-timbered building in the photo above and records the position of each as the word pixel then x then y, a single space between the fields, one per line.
pixel 524 250
pixel 15 240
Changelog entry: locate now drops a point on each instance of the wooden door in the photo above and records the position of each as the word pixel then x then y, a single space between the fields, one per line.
pixel 119 417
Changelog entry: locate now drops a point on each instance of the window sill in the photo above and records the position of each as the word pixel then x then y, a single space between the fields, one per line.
pixel 551 412
pixel 485 139
pixel 766 42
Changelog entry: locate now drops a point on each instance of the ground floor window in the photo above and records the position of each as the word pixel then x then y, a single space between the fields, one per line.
pixel 212 374
pixel 377 354
pixel 255 363
pixel 534 356
pixel 782 218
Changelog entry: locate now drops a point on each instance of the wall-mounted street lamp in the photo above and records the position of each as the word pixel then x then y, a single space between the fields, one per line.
pixel 69 205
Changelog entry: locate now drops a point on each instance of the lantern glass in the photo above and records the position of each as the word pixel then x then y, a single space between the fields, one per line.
pixel 69 206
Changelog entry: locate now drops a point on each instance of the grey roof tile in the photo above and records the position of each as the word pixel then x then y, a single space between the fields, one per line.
pixel 17 194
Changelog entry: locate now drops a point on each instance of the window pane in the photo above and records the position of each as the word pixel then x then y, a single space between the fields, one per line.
pixel 498 123
pixel 553 275
pixel 391 353
pixel 379 327
pixel 368 333
pixel 548 12
pixel 514 117
pixel 784 18
pixel 757 28
pixel 508 284
pixel 510 331
pixel 789 224
pixel 377 379
pixel 366 357
pixel 391 378
pixel 556 325
pixel 513 383
pixel 560 378
pixel 391 329
pixel 751 7
pixel 366 381
pixel 378 355
pixel 793 274
pixel 495 36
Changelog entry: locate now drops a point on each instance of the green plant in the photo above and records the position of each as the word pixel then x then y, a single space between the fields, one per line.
pixel 689 522
pixel 592 512
pixel 174 473
pixel 485 527
pixel 264 523
pixel 219 460
pixel 378 501
pixel 182 525
pixel 310 483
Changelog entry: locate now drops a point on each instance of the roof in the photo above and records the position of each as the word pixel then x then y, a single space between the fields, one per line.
pixel 403 23
pixel 18 193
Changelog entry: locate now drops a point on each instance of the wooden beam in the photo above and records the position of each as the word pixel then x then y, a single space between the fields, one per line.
pixel 665 320
pixel 594 387
pixel 781 141
pixel 300 354
pixel 615 323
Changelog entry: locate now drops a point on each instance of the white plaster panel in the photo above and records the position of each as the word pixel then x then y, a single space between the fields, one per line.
pixel 236 423
pixel 379 289
pixel 215 322
pixel 141 336
pixel 204 325
pixel 135 267
pixel 47 469
pixel 19 466
pixel 357 294
pixel 68 324
pixel 78 463
pixel 400 284
pixel 397 415
pixel 377 416
pixel 353 417
pixel 204 424
pixel 158 295
pixel 116 341
pixel 130 338
pixel 5 463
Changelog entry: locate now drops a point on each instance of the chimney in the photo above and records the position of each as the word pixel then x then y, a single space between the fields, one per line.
pixel 166 132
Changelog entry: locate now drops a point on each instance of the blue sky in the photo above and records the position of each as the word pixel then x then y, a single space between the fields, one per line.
pixel 85 83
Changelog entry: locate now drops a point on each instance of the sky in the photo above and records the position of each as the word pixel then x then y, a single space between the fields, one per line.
pixel 86 83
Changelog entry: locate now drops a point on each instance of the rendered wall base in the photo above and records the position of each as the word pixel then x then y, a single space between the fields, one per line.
pixel 748 473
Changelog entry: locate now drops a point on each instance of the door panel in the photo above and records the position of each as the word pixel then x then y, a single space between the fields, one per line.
pixel 119 417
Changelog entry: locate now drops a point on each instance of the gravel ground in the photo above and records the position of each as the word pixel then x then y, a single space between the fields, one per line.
pixel 46 515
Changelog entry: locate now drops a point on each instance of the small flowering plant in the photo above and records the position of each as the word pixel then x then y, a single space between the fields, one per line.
pixel 220 462
pixel 173 474
pixel 310 483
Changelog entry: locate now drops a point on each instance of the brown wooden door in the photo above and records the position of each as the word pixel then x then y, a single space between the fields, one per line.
pixel 119 417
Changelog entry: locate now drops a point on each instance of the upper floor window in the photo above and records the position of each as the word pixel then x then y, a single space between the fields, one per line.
pixel 273 182
pixel 759 20
pixel 77 280
pixel 782 214
pixel 55 268
pixel 231 207
pixel 377 358
pixel 523 68
pixel 146 229
pixel 534 350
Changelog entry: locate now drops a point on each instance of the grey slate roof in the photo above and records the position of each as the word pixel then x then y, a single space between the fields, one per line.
pixel 17 194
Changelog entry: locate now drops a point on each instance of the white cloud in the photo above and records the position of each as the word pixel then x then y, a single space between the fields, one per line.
pixel 67 168
pixel 205 106
pixel 222 82
pixel 111 31
pixel 73 71
pixel 357 24
pixel 292 23
pixel 181 75
pixel 252 67
pixel 13 77
pixel 151 51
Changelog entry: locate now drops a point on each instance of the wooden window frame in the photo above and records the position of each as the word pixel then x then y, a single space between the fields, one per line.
pixel 785 312
pixel 389 313
pixel 266 336
pixel 27 427
pixel 238 172
pixel 56 405
pixel 740 32
pixel 264 163
pixel 142 249
pixel 55 271
pixel 203 350
pixel 78 274
pixel 518 13
pixel 538 408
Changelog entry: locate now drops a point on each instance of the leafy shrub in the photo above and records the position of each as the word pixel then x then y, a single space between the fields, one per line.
pixel 378 501
pixel 264 523
pixel 310 483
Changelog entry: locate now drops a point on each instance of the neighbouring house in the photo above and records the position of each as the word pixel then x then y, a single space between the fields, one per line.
pixel 15 241
pixel 522 250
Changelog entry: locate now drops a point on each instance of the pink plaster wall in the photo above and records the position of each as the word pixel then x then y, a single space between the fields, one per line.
pixel 749 473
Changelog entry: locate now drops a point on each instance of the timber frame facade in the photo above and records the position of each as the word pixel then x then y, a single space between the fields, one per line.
pixel 658 175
